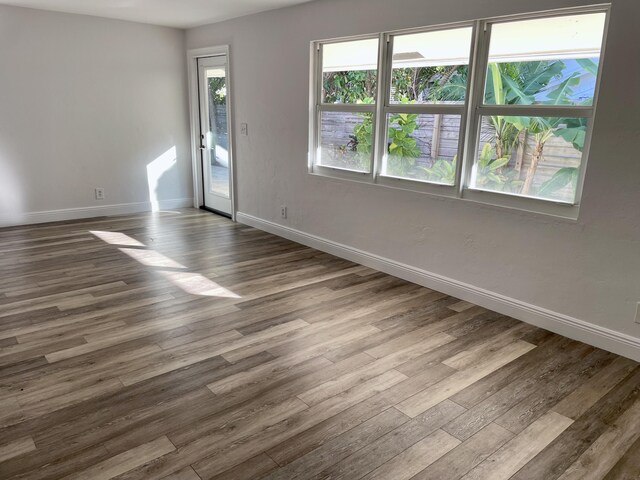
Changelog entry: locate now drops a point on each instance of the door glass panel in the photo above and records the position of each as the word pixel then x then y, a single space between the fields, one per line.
pixel 217 135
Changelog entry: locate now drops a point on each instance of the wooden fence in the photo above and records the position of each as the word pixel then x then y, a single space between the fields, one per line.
pixel 437 137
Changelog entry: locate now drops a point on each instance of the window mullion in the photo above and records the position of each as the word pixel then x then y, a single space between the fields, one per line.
pixel 384 86
pixel 467 115
pixel 477 79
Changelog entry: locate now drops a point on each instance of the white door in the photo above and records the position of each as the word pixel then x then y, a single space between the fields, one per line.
pixel 215 139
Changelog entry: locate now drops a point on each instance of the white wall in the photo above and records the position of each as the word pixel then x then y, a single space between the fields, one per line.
pixel 87 102
pixel 587 270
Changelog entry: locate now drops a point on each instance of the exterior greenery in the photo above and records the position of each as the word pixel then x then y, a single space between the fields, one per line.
pixel 513 83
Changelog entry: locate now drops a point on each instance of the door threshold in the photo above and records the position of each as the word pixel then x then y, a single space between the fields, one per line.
pixel 217 212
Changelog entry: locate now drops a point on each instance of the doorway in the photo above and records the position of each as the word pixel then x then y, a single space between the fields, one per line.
pixel 216 162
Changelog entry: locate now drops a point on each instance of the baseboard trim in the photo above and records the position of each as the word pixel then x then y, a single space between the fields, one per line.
pixel 31 218
pixel 571 327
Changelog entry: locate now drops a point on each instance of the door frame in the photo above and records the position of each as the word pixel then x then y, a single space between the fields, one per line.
pixel 194 118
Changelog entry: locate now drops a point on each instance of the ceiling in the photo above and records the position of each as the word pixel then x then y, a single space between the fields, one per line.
pixel 171 13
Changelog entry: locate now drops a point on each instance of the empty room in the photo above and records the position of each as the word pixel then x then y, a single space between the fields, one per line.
pixel 320 239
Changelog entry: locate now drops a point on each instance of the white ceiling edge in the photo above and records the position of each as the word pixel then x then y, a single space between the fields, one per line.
pixel 182 14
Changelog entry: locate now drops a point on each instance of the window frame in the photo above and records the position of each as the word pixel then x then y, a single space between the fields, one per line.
pixel 319 107
pixel 386 107
pixel 471 113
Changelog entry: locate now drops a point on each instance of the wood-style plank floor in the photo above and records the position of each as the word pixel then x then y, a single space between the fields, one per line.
pixel 181 345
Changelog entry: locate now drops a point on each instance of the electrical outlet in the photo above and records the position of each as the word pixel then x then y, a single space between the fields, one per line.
pixel 244 129
pixel 99 193
pixel 638 313
pixel 283 211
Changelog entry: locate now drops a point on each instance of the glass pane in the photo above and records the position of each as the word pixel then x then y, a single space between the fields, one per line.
pixel 430 67
pixel 536 157
pixel 349 71
pixel 546 61
pixel 422 147
pixel 346 140
pixel 217 136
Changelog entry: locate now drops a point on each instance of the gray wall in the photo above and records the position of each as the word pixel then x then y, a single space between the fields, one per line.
pixel 587 269
pixel 87 102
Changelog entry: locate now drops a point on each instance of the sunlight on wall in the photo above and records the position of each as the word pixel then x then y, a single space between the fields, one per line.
pixel 151 258
pixel 117 238
pixel 11 207
pixel 155 170
pixel 197 284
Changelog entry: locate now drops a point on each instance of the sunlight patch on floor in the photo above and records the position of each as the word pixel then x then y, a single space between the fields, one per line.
pixel 117 238
pixel 197 284
pixel 151 258
pixel 190 282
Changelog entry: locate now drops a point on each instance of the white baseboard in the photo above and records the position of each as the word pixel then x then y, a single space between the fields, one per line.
pixel 574 328
pixel 30 218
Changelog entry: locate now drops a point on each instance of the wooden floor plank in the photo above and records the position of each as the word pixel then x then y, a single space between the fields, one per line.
pixel 429 397
pixel 318 435
pixel 628 467
pixel 255 467
pixel 394 443
pixel 554 460
pixel 341 447
pixel 16 448
pixel 467 455
pixel 125 461
pixel 186 473
pixel 605 452
pixel 589 392
pixel 415 458
pixel 512 456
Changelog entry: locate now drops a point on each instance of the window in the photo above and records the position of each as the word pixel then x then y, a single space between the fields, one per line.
pixel 346 111
pixel 498 110
pixel 424 105
pixel 539 89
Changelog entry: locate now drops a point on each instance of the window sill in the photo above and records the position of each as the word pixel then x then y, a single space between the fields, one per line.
pixel 504 202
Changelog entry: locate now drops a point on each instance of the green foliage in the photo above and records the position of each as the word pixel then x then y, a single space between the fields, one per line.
pixel 574 132
pixel 441 171
pixel 494 174
pixel 363 132
pixel 418 84
pixel 363 135
pixel 519 83
pixel 410 83
pixel 218 90
pixel 351 86
pixel 562 178
pixel 510 83
pixel 403 148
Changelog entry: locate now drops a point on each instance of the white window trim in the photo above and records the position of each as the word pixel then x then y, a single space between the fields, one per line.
pixel 471 113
